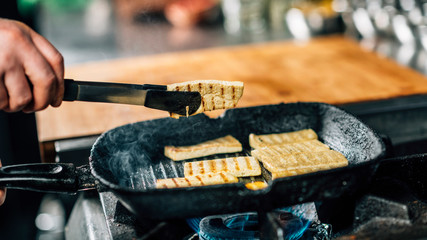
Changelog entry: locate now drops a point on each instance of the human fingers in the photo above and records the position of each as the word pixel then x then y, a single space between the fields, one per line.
pixel 2 192
pixel 4 98
pixel 56 61
pixel 18 90
pixel 2 195
pixel 41 76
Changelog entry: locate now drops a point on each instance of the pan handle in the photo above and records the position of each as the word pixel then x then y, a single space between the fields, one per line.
pixel 47 177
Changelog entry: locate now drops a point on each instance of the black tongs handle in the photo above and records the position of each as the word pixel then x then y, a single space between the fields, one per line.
pixel 87 91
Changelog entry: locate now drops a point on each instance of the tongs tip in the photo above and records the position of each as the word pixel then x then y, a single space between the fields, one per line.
pixel 182 103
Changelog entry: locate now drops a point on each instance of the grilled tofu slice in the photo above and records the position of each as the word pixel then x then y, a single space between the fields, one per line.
pixel 236 166
pixel 292 164
pixel 215 94
pixel 292 148
pixel 227 144
pixel 259 141
pixel 320 167
pixel 197 180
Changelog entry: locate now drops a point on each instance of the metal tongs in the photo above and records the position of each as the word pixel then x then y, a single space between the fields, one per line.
pixel 148 95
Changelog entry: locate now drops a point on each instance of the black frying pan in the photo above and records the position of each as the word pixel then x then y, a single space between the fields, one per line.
pixel 127 160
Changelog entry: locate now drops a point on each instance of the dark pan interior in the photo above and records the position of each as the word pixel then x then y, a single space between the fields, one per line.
pixel 130 157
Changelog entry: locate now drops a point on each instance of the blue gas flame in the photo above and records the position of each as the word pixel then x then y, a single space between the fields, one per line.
pixel 293 220
pixel 294 226
pixel 194 224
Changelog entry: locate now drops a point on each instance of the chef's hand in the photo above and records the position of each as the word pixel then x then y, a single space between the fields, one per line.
pixel 31 69
pixel 2 193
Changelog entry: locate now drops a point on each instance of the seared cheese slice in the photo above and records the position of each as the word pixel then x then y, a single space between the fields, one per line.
pixel 215 94
pixel 227 144
pixel 236 166
pixel 299 163
pixel 197 180
pixel 258 141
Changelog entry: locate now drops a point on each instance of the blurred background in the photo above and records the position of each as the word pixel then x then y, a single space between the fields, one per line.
pixel 87 30
pixel 92 30
pixel 96 30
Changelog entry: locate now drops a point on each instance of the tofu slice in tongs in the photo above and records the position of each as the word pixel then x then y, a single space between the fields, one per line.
pixel 215 94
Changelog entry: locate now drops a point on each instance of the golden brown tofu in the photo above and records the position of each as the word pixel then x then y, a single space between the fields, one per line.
pixel 320 167
pixel 227 144
pixel 299 163
pixel 215 94
pixel 196 180
pixel 259 141
pixel 292 148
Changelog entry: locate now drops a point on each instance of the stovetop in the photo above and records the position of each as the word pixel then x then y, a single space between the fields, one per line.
pixel 394 207
pixel 101 216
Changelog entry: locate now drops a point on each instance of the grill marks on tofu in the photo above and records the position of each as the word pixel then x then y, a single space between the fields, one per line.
pixel 215 94
pixel 227 144
pixel 259 141
pixel 282 154
pixel 197 180
pixel 313 168
pixel 294 153
pixel 236 166
pixel 292 148
pixel 299 163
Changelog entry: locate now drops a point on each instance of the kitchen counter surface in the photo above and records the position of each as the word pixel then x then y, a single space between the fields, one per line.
pixel 330 69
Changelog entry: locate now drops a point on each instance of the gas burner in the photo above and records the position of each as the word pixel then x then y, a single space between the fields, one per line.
pixel 242 226
pixel 280 225
pixel 395 207
pixel 296 222
pixel 380 218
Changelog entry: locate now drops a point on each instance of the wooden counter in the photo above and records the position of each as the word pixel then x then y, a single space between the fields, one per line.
pixel 334 70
